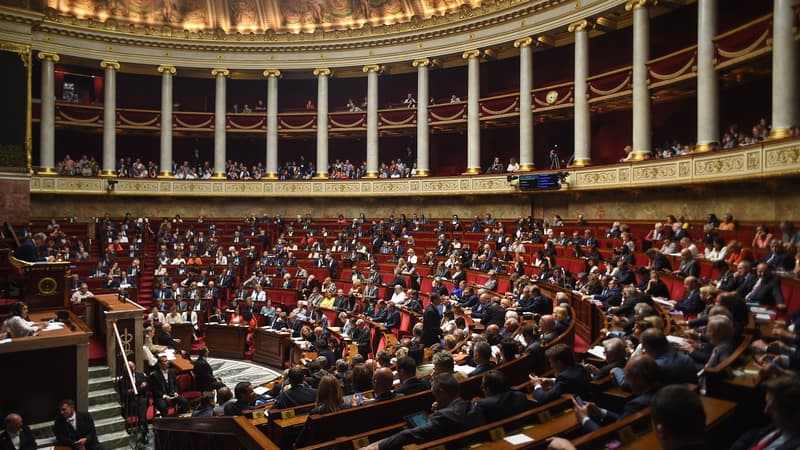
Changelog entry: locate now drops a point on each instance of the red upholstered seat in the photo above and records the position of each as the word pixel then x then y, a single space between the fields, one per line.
pixel 186 387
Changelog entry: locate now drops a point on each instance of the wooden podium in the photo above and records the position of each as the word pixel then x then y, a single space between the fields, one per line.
pixel 226 341
pixel 44 284
pixel 105 309
pixel 272 346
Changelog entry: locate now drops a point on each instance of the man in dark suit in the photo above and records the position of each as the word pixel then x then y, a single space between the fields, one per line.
pixel 533 301
pixel 244 400
pixel 571 378
pixel 481 356
pixel 688 266
pixel 29 249
pixel 452 416
pixel 16 435
pixel 204 374
pixel 767 290
pixel 499 402
pixel 777 257
pixel 494 314
pixel 392 316
pixel 657 261
pixel 679 419
pixel 165 338
pixel 297 393
pixel 407 373
pixel 164 388
pixel 362 337
pixel 642 375
pixel 75 429
pixel 782 398
pixel 744 279
pixel 674 367
pixel 431 322
pixel 691 303
pixel 137 399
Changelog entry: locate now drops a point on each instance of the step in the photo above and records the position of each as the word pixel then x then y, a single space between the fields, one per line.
pixel 109 424
pixel 99 371
pixel 105 410
pixel 100 383
pixel 103 396
pixel 117 440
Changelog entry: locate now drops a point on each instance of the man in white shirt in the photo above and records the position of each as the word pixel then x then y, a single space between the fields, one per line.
pixel 16 434
pixel 81 294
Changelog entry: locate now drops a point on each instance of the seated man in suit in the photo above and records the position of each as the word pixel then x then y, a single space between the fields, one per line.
pixel 16 435
pixel 392 320
pixel 296 393
pixel 481 356
pixel 137 399
pixel 382 386
pixel 206 381
pixel 767 290
pixel 407 373
pixel 642 375
pixel 691 303
pixel 452 416
pixel 165 338
pixel 782 398
pixel 675 367
pixel 30 249
pixel 688 266
pixel 244 400
pixel 499 402
pixel 571 378
pixel 75 429
pixel 164 389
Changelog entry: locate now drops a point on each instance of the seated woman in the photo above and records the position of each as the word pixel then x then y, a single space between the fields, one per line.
pixel 329 399
pixel 268 312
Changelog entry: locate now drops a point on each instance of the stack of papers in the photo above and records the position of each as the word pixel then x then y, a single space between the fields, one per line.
pixel 598 351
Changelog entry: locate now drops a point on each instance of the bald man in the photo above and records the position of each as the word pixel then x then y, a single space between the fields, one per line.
pixel 383 382
pixel 16 435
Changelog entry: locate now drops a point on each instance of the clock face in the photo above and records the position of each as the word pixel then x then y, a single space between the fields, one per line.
pixel 551 97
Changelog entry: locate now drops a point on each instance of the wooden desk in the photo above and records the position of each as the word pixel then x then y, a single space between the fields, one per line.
pixel 272 346
pixel 181 364
pixel 45 369
pixel 184 332
pixel 226 341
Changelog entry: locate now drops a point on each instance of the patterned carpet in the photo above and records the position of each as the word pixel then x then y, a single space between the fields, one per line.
pixel 233 371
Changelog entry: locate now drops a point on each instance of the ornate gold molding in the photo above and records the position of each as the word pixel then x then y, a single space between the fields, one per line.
pixel 705 147
pixel 109 64
pixel 581 25
pixel 475 53
pixel 49 55
pixel 166 68
pixel 322 72
pixel 423 62
pixel 581 162
pixel 220 72
pixel 641 155
pixel 372 68
pixel 635 4
pixel 272 73
pixel 780 133
pixel 523 42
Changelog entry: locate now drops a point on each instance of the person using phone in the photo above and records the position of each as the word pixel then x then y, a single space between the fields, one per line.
pixel 641 372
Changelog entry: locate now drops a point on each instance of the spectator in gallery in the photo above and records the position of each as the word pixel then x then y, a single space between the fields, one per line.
pixel 310 106
pixel 513 165
pixel 455 99
pixel 409 101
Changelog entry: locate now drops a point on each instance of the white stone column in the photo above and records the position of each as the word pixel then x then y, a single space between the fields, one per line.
pixel 167 72
pixel 583 137
pixel 473 111
pixel 642 146
pixel 47 129
pixel 784 71
pixel 423 127
pixel 525 103
pixel 110 118
pixel 372 119
pixel 219 121
pixel 707 81
pixel 322 75
pixel 272 122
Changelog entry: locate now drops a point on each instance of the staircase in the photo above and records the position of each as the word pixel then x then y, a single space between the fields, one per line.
pixel 105 410
pixel 146 283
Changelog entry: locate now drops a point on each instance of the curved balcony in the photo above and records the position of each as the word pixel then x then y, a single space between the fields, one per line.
pixel 769 159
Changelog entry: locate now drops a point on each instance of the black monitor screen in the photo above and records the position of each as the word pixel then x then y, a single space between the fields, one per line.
pixel 539 181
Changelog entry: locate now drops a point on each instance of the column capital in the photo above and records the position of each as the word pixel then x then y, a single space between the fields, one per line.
pixel 49 55
pixel 322 72
pixel 581 25
pixel 272 73
pixel 423 62
pixel 166 68
pixel 475 53
pixel 372 68
pixel 107 64
pixel 220 72
pixel 523 42
pixel 635 4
